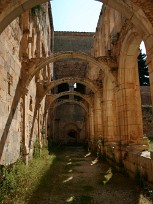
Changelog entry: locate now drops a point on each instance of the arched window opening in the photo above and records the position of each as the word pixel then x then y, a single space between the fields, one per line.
pixel 142 66
pixel 147 116
pixel 79 88
pixel 63 87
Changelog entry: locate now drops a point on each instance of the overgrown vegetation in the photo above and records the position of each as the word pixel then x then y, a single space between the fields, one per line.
pixel 151 143
pixel 19 181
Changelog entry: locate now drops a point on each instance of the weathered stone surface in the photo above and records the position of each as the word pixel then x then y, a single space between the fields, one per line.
pixel 108 72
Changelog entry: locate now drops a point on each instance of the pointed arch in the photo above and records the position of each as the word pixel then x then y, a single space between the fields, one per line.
pixel 101 63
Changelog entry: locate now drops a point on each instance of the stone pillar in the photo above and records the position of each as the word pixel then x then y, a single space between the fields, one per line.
pixel 39 133
pixel 129 106
pixel 98 114
pixel 91 124
pixel 25 130
pixel 109 115
pixel 88 126
pixel 46 124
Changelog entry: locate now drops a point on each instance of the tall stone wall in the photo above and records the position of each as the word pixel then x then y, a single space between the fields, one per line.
pixel 28 36
pixel 73 41
pixel 10 66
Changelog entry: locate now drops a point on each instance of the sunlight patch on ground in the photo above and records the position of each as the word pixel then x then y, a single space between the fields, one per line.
pixel 94 161
pixel 68 179
pixel 70 199
pixel 67 156
pixel 69 163
pixel 87 155
pixel 108 176
pixel 142 200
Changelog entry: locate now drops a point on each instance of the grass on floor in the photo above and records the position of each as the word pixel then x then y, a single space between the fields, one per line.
pixel 21 180
pixel 151 144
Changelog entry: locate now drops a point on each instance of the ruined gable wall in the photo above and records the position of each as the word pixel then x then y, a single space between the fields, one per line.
pixel 68 114
pixel 72 41
pixel 121 40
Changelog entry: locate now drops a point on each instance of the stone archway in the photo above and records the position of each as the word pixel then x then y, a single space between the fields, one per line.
pixel 53 106
pixel 130 9
pixel 130 116
pixel 51 99
pixel 33 65
pixel 43 90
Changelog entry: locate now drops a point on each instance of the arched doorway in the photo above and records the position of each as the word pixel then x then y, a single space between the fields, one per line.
pixel 72 133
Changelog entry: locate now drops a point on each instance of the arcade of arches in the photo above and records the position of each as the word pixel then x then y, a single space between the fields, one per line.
pixel 72 87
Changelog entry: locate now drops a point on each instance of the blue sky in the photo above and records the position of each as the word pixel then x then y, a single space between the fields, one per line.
pixel 77 15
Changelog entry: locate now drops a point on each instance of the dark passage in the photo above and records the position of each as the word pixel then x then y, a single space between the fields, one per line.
pixel 72 133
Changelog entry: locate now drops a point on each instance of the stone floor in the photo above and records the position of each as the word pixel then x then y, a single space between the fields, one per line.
pixel 79 178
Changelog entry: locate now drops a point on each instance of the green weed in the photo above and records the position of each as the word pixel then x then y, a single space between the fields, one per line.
pixel 19 181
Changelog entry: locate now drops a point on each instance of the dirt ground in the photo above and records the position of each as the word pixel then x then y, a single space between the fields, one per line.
pixel 79 178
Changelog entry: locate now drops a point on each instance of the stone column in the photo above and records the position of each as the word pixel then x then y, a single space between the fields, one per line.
pixel 98 114
pixel 129 106
pixel 25 130
pixel 109 115
pixel 38 122
pixel 91 124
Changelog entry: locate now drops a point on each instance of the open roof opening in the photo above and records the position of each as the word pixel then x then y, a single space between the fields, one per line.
pixel 75 15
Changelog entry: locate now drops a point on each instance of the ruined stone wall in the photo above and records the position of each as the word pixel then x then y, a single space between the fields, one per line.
pixel 68 116
pixel 28 36
pixel 73 41
pixel 10 66
pixel 118 40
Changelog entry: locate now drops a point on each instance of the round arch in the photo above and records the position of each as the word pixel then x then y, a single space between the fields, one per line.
pixel 85 97
pixel 85 82
pixel 11 10
pixel 102 64
pixel 55 105
pixel 130 115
